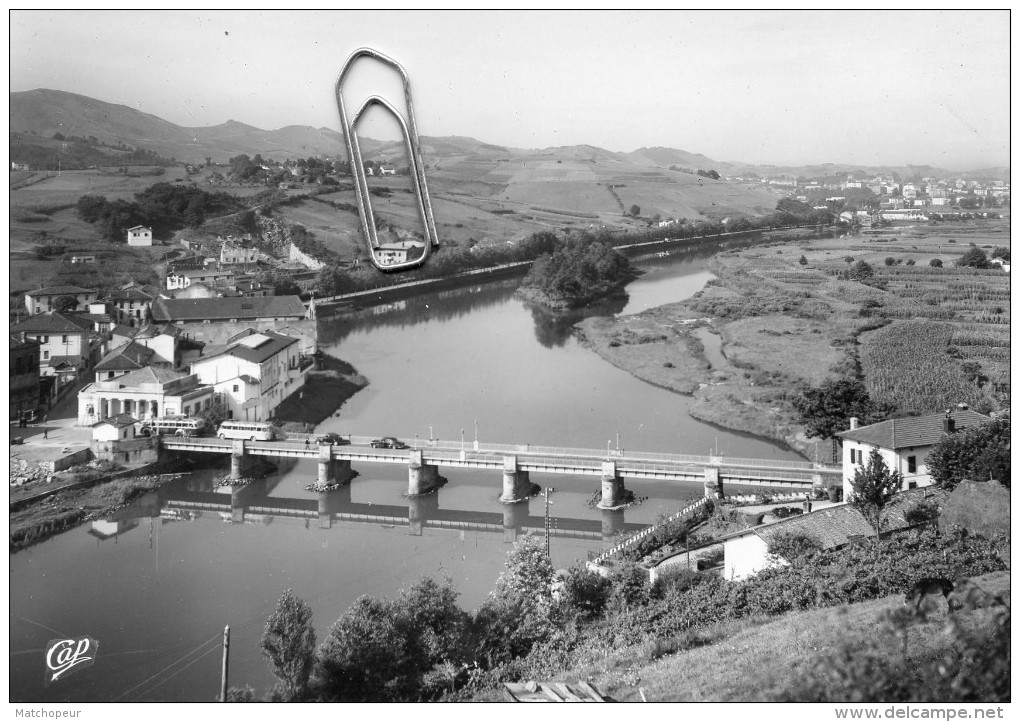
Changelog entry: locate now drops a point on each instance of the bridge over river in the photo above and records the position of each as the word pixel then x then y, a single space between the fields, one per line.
pixel 516 462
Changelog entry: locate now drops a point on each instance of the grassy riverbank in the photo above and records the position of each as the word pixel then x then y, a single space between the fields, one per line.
pixel 787 319
pixel 68 508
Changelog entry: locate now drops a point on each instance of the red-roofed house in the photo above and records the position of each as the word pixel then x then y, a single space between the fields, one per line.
pixel 903 443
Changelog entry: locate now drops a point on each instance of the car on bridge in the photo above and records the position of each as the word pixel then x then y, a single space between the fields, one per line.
pixel 332 439
pixel 388 442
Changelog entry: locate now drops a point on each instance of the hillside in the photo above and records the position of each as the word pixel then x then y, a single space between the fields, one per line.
pixel 767 659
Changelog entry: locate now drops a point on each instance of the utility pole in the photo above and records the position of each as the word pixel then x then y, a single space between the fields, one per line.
pixel 226 658
pixel 548 524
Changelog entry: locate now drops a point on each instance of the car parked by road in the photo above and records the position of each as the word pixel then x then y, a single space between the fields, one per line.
pixel 388 442
pixel 332 439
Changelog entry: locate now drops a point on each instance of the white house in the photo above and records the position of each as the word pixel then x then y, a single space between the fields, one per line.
pixel 389 254
pixel 145 394
pixel 67 343
pixel 253 373
pixel 176 280
pixel 139 236
pixel 903 444
pixel 747 551
pixel 44 299
pixel 115 428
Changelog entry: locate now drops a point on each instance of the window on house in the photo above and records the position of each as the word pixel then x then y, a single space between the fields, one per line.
pixel 911 464
pixel 44 339
pixel 63 339
pixel 235 388
pixel 109 374
pixel 46 355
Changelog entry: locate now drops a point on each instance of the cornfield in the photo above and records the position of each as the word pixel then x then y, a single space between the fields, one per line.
pixel 907 364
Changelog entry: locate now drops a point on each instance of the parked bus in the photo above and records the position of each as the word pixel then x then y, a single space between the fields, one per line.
pixel 251 430
pixel 175 425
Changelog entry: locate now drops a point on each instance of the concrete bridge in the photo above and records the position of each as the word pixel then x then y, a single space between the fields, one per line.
pixel 516 462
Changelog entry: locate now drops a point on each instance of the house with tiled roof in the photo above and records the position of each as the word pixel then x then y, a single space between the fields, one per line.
pixel 67 344
pixel 214 320
pixel 144 393
pixel 747 551
pixel 43 300
pixel 252 373
pixel 127 358
pixel 131 305
pixel 169 341
pixel 903 444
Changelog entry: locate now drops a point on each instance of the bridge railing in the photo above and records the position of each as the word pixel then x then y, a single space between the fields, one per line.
pixel 638 536
pixel 619 455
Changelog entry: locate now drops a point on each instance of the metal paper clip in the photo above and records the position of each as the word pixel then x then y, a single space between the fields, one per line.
pixel 410 133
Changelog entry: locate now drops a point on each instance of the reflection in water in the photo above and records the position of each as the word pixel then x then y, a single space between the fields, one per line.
pixel 435 306
pixel 255 504
pixel 554 328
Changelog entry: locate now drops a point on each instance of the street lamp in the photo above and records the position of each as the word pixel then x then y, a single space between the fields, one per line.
pixel 608 442
pixel 476 434
pixel 462 440
pixel 617 440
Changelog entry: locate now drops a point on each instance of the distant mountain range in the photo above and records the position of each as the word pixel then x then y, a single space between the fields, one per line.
pixel 45 112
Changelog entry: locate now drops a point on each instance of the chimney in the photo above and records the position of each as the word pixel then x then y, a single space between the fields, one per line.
pixel 948 424
pixel 853 423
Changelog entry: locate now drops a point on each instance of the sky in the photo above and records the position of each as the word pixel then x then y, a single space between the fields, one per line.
pixel 768 87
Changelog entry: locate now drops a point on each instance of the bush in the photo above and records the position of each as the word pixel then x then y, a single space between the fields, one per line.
pixel 935 263
pixel 782 512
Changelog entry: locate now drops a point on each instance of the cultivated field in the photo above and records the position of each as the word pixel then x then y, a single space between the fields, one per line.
pixel 924 338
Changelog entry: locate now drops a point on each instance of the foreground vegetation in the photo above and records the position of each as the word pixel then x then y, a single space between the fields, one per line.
pixel 421 646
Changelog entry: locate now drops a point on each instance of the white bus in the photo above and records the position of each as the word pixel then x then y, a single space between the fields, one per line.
pixel 251 430
pixel 176 425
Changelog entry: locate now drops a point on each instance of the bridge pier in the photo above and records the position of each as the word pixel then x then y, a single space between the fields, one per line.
pixel 713 483
pixel 517 484
pixel 614 494
pixel 421 477
pixel 237 454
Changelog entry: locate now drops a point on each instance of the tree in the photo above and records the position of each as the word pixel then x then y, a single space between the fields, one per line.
pixel 635 211
pixel 361 658
pixel 65 304
pixel 517 613
pixel 288 644
pixel 803 261
pixel 935 263
pixel 860 271
pixel 873 488
pixel 974 452
pixel 973 257
pixel 585 593
pixel 1001 252
pixel 827 409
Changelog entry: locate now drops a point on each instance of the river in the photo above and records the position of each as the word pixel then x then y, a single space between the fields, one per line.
pixel 156 583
